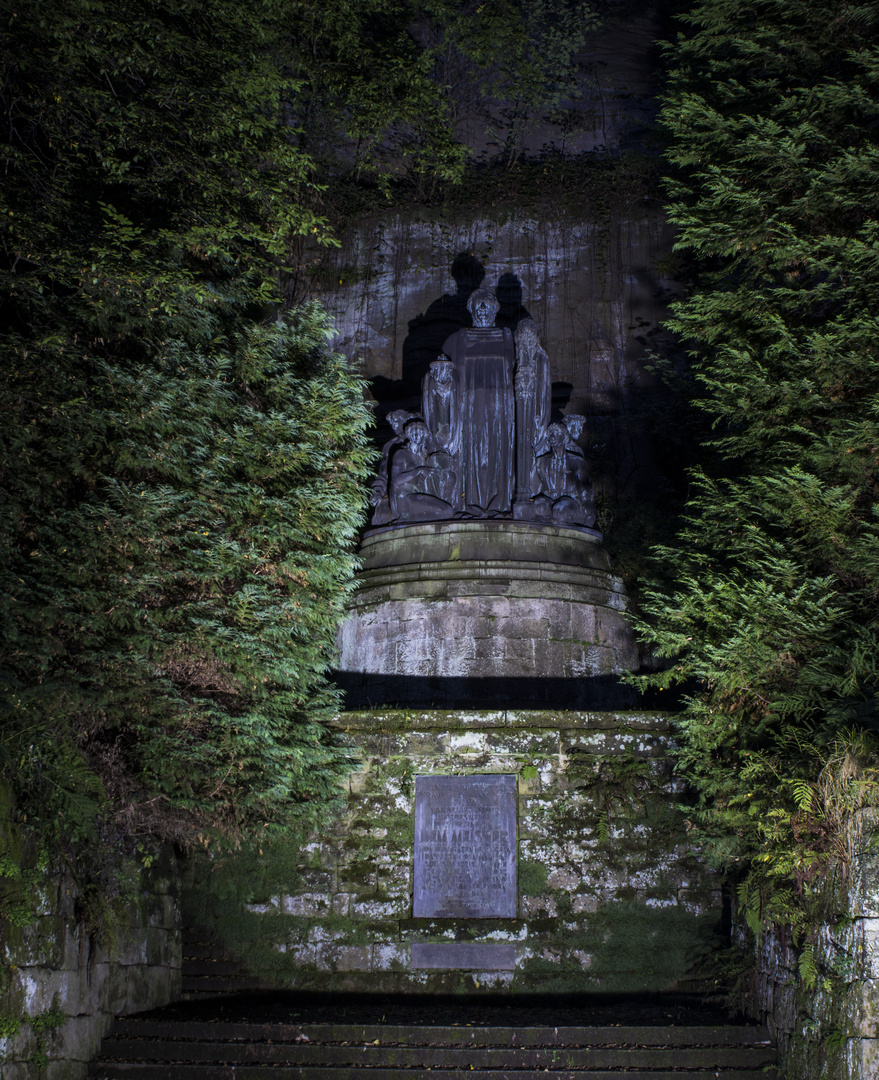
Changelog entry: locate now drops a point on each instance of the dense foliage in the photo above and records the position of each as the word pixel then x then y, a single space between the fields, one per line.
pixel 772 617
pixel 180 452
pixel 180 462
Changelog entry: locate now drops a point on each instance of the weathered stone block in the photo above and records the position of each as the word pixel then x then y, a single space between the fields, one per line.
pixel 541 906
pixel 341 904
pixel 585 903
pixel 141 987
pixel 164 911
pixel 46 942
pixel 463 956
pixel 566 879
pixel 352 958
pixel 78 1041
pixel 470 742
pixel 307 905
pixel 380 909
pixel 864 1057
pixel 390 957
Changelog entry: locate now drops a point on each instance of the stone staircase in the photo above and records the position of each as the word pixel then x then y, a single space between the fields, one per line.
pixel 209 970
pixel 218 1050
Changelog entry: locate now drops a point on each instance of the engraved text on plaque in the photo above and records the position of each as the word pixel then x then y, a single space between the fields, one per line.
pixel 465 847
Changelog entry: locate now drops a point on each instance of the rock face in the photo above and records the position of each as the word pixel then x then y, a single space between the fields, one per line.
pixel 494 613
pixel 595 287
pixel 593 298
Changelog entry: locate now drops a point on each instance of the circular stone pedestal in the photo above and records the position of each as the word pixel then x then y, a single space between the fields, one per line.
pixel 486 613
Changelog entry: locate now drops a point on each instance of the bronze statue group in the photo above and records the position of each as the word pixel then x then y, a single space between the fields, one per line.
pixel 484 445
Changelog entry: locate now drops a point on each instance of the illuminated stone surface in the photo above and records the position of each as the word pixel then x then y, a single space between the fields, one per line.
pixel 489 613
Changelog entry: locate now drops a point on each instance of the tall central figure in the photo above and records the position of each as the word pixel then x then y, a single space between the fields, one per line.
pixel 484 359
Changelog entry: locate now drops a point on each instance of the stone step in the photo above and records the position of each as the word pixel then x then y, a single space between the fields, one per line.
pixel 131 1071
pixel 447 1035
pixel 193 986
pixel 433 1057
pixel 199 1050
pixel 195 935
pixel 198 967
pixel 200 950
pixel 208 971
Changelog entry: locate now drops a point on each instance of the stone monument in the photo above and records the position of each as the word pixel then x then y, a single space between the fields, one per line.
pixel 484 574
pixel 514 823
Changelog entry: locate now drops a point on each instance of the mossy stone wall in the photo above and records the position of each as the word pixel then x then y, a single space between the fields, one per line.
pixel 612 898
pixel 827 1025
pixel 60 987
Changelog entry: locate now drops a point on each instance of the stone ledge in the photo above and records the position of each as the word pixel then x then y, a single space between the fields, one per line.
pixel 449 581
pixel 457 541
pixel 501 719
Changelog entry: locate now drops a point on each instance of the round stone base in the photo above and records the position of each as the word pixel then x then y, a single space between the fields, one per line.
pixel 476 612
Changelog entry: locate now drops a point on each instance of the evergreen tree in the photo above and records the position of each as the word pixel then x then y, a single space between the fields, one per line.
pixel 180 457
pixel 772 621
pixel 180 453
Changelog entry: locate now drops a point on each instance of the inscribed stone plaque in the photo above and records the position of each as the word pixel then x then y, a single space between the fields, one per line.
pixel 464 956
pixel 465 847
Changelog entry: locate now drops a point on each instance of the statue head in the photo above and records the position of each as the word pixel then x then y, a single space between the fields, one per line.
pixel 526 335
pixel 398 418
pixel 483 306
pixel 441 370
pixel 557 435
pixel 574 423
pixel 416 431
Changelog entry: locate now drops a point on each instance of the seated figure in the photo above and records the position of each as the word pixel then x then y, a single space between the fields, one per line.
pixel 422 477
pixel 578 466
pixel 378 496
pixel 565 490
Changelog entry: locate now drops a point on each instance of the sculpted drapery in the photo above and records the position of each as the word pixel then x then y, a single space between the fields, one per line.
pixel 484 444
pixel 484 359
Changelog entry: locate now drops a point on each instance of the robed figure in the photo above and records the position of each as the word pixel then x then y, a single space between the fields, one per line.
pixel 441 405
pixel 533 408
pixel 483 357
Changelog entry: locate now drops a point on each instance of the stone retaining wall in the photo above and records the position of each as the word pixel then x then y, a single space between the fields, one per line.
pixel 52 965
pixel 830 1031
pixel 611 897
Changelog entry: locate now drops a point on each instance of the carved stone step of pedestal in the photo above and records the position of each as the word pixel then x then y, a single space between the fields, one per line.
pixel 462 541
pixel 528 610
pixel 245 1051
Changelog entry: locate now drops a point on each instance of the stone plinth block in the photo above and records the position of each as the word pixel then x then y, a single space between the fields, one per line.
pixel 464 956
pixel 460 612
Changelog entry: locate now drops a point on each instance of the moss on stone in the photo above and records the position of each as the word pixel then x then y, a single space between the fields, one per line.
pixel 599 862
pixel 633 947
pixel 532 877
